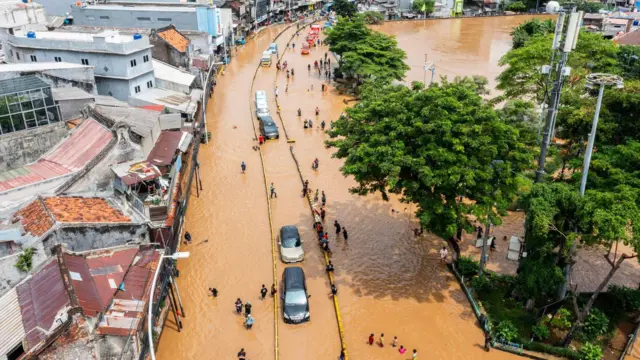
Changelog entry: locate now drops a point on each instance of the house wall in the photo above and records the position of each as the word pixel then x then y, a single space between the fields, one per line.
pixel 22 147
pixel 169 85
pixel 82 78
pixel 124 17
pixel 84 237
pixel 10 276
pixel 122 89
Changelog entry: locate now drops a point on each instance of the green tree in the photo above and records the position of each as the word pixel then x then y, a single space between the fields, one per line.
pixel 517 6
pixel 432 146
pixel 344 36
pixel 423 6
pixel 608 218
pixel 345 8
pixel 534 27
pixel 377 56
pixel 612 166
pixel 373 17
pixel 590 351
pixel 522 115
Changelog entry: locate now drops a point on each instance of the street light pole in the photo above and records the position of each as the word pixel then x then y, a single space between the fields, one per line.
pixel 178 255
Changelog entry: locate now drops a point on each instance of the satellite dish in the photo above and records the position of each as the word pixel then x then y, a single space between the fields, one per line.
pixel 553 7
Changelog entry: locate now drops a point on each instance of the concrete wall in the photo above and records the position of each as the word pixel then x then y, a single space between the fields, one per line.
pixel 10 276
pixel 167 54
pixel 124 17
pixel 72 109
pixel 122 89
pixel 84 237
pixel 26 146
pixel 57 7
pixel 169 85
pixel 82 78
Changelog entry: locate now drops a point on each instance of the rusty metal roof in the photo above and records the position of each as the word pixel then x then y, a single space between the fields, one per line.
pixel 128 306
pixel 70 155
pixel 41 299
pixel 165 148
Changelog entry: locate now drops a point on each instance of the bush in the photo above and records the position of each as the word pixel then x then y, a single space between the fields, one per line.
pixel 517 6
pixel 624 298
pixel 552 350
pixel 562 320
pixel 467 267
pixel 590 352
pixel 25 260
pixel 481 284
pixel 506 331
pixel 373 17
pixel 540 331
pixel 595 325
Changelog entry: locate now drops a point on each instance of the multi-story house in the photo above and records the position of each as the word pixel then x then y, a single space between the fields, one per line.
pixel 123 66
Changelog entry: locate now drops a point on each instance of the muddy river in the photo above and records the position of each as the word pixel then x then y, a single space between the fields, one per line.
pixel 388 280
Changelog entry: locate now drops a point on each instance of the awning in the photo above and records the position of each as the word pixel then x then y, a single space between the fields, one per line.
pixel 185 142
pixel 136 171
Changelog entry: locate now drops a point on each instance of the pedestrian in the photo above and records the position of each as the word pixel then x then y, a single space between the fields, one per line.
pixel 273 191
pixel 243 166
pixel 249 321
pixel 415 354
pixel 342 355
pixel 299 112
pixel 325 237
pixel 337 226
pixel 276 91
pixel 242 355
pixel 325 56
pixel 286 89
pixel 402 350
pixel 320 62
pixel 273 290
pixel 315 197
pixel 326 74
pixel 261 139
pixel 263 292
pixel 247 309
pixel 371 339
pixel 187 237
pixel 395 341
pixel 324 199
pixel 334 290
pixel 323 213
pixel 381 343
pixel 309 68
pixel 238 306
pixel 214 292
pixel 443 254
pixel 479 232
pixel 487 341
pixel 330 266
pixel 322 87
pixel 293 73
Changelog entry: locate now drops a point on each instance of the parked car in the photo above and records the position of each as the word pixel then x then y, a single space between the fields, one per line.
pixel 262 107
pixel 295 307
pixel 290 244
pixel 269 129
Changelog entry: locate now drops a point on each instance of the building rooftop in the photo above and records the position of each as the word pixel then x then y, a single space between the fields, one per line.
pixel 110 36
pixel 33 10
pixel 41 298
pixel 165 148
pixel 40 66
pixel 141 121
pixel 84 210
pixel 166 72
pixel 72 154
pixel 176 101
pixel 11 328
pixel 106 100
pixel 136 171
pixel 630 38
pixel 23 83
pixel 34 218
pixel 70 93
pixel 174 38
pixel 186 7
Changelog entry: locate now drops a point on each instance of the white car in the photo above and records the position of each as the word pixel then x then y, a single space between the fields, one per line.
pixel 290 244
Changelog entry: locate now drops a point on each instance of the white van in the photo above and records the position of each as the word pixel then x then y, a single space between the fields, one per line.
pixel 265 60
pixel 262 106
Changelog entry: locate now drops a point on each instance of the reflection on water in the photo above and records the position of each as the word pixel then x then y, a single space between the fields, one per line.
pixel 388 280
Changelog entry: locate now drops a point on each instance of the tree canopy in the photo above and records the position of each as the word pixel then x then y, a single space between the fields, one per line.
pixel 534 27
pixel 423 6
pixel 517 6
pixel 373 17
pixel 345 8
pixel 432 146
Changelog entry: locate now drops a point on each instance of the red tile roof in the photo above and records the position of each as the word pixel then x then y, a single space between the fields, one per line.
pixel 41 298
pixel 175 38
pixel 84 210
pixel 158 108
pixel 34 218
pixel 165 148
pixel 71 155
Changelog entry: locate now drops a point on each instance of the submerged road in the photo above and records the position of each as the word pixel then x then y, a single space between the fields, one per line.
pixel 388 280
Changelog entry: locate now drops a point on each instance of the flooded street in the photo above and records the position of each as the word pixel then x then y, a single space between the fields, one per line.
pixel 388 280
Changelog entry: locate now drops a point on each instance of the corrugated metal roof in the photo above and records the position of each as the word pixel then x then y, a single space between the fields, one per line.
pixel 41 298
pixel 22 83
pixel 165 148
pixel 11 328
pixel 70 155
pixel 84 286
pixel 166 72
pixel 128 306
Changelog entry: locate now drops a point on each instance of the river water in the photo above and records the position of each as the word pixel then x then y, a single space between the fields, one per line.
pixel 388 280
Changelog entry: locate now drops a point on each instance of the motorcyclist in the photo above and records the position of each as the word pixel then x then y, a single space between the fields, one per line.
pixel 322 124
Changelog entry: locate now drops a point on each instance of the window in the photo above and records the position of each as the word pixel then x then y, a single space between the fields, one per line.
pixel 144 19
pixel 57 58
pixel 91 17
pixel 85 61
pixel 33 58
pixel 133 63
pixel 164 19
pixel 11 53
pixel 145 58
pixel 104 18
pixel 11 31
pixel 137 89
pixel 149 84
pixel 18 55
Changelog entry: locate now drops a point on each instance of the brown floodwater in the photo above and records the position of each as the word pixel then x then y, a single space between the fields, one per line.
pixel 388 281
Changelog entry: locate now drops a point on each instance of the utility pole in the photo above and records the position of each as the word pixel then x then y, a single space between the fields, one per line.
pixel 569 41
pixel 485 241
pixel 425 70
